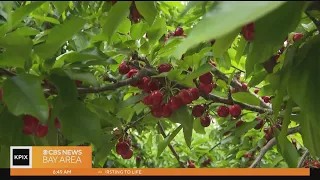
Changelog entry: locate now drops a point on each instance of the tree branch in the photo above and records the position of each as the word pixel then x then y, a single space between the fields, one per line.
pixel 142 73
pixel 4 72
pixel 314 20
pixel 269 145
pixel 174 152
pixel 303 158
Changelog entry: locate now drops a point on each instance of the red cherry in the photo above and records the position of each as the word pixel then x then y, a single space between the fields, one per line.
pixel 156 97
pixel 276 57
pixel 235 110
pixel 206 78
pixel 174 103
pixel 226 133
pixel 191 164
pixel 206 88
pixel 156 111
pixel 142 82
pixel 205 121
pixel 152 86
pixel 179 31
pixel 42 130
pixel 57 123
pixel 248 155
pixel 297 36
pixel 78 83
pixel 122 147
pixel 239 123
pixel 147 100
pixel 267 136
pixel 266 99
pixel 212 42
pixel 234 91
pixel 131 73
pixel 194 93
pixel 197 110
pixel 244 86
pixel 185 96
pixel 248 32
pixel 30 124
pixel 166 111
pixel 127 155
pixel 138 158
pixel 256 91
pixel 260 123
pixel 164 68
pixel 266 130
pixel 316 163
pixel 223 111
pixel 123 68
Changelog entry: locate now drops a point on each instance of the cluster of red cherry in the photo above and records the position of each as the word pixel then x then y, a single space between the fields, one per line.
pixel 178 32
pixel 32 125
pixel 123 148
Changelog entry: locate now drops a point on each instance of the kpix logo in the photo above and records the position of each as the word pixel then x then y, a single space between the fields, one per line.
pixel 20 157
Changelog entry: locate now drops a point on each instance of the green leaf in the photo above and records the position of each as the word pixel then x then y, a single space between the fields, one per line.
pixel 148 10
pixel 18 15
pixel 78 123
pixel 188 80
pixel 45 19
pixel 240 154
pixel 157 30
pixel 198 127
pixel 103 152
pixel 67 89
pixel 82 76
pixel 303 87
pixel 240 49
pixel 277 27
pixel 132 100
pixel 101 107
pixel 190 5
pixel 247 98
pixel 5 156
pixel 58 36
pixel 288 151
pixel 116 15
pixel 23 95
pixel 138 30
pixel 224 60
pixel 163 144
pixel 13 43
pixel 27 31
pixel 257 78
pixel 225 18
pixel 222 44
pixel 245 127
pixel 183 116
pixel 60 6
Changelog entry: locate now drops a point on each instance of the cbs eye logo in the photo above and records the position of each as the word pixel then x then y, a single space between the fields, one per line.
pixel 20 157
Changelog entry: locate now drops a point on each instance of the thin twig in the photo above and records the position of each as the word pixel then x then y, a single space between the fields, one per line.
pixel 303 158
pixel 174 152
pixel 132 124
pixel 269 145
pixel 314 20
pixel 238 69
pixel 209 150
pixel 4 72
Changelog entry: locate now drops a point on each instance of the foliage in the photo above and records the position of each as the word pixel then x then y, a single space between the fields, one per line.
pixel 95 73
